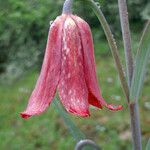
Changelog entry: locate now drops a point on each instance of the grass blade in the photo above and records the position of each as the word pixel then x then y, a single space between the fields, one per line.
pixel 148 145
pixel 142 60
pixel 74 130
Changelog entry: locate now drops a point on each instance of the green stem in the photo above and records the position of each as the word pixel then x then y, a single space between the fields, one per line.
pixel 83 143
pixel 112 44
pixel 134 111
pixel 126 38
pixel 135 126
pixel 67 8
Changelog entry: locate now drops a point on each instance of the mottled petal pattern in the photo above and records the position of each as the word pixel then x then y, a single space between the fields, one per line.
pixel 47 82
pixel 68 66
pixel 72 87
pixel 95 97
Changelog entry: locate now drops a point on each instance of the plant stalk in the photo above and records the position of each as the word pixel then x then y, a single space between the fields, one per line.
pixel 113 46
pixel 134 111
pixel 135 126
pixel 81 144
pixel 67 8
pixel 126 38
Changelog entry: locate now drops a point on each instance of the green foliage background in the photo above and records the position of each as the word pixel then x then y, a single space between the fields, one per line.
pixel 24 26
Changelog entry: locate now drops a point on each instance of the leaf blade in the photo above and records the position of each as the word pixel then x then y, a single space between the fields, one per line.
pixel 141 64
pixel 74 130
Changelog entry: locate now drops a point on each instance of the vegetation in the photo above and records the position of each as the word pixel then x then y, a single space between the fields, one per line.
pixel 23 33
pixel 24 27
pixel 48 131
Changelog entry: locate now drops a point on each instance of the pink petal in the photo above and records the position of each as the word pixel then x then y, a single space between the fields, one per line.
pixel 50 73
pixel 72 87
pixel 95 97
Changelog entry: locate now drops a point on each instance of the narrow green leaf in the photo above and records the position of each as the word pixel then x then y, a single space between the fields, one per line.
pixel 74 130
pixel 148 145
pixel 141 64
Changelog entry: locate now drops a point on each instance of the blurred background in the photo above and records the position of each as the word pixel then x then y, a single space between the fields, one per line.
pixel 24 27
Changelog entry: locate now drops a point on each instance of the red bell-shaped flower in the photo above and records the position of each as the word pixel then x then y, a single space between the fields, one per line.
pixel 68 66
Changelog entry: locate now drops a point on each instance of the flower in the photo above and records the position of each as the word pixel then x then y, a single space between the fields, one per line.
pixel 68 67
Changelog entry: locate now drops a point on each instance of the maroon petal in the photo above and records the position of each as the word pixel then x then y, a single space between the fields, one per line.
pixel 72 87
pixel 95 97
pixel 50 73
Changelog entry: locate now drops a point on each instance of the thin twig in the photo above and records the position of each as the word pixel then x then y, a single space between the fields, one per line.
pixel 113 46
pixel 126 38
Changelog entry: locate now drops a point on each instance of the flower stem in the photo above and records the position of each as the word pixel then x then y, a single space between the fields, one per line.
pixel 135 126
pixel 126 38
pixel 81 144
pixel 67 8
pixel 134 111
pixel 112 44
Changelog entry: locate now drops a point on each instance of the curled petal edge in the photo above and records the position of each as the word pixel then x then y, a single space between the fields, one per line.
pixel 114 107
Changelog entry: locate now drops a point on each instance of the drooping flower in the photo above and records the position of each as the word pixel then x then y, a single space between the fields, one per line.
pixel 68 67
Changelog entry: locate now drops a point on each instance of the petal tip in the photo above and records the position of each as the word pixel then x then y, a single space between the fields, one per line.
pixel 114 108
pixel 25 116
pixel 80 114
